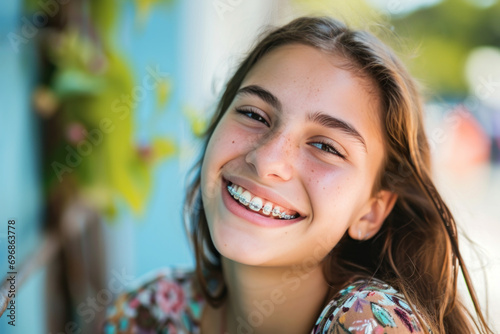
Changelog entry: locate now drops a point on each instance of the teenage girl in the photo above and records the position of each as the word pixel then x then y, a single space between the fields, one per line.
pixel 313 208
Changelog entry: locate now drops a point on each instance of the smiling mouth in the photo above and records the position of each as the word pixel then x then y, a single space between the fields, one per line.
pixel 259 205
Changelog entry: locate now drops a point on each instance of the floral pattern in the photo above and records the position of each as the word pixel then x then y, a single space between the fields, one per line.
pixel 366 307
pixel 169 304
pixel 165 304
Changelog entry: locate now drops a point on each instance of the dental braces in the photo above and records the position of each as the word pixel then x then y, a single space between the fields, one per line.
pixel 275 212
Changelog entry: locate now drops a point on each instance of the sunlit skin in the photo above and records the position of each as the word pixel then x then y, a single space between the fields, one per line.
pixel 324 170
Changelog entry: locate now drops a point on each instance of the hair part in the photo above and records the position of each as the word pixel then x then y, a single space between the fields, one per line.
pixel 416 250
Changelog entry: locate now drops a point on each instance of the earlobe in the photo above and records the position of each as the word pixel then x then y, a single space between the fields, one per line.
pixel 370 223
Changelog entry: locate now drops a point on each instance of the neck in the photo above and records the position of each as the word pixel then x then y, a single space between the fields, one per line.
pixel 273 299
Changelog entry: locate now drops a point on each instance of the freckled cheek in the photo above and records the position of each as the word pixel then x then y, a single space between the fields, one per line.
pixel 238 142
pixel 317 175
pixel 336 186
pixel 220 141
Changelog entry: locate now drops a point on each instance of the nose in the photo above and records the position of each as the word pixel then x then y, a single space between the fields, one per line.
pixel 272 157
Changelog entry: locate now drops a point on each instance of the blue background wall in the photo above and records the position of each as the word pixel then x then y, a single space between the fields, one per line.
pixel 20 184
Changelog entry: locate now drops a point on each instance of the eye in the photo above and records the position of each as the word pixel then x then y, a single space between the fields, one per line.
pixel 327 148
pixel 252 114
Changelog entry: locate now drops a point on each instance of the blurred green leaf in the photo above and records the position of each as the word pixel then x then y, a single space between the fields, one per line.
pixel 447 32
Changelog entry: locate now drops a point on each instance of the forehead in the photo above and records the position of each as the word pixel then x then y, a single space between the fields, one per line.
pixel 306 79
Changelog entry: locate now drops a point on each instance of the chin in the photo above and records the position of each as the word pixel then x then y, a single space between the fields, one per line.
pixel 240 247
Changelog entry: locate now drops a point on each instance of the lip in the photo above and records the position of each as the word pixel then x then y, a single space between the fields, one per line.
pixel 262 193
pixel 250 216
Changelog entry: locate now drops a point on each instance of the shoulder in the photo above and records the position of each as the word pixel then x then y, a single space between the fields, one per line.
pixel 165 299
pixel 368 306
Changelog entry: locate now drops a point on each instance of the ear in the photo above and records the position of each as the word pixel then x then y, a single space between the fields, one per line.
pixel 377 209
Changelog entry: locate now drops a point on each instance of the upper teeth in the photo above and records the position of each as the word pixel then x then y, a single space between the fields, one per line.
pixel 256 203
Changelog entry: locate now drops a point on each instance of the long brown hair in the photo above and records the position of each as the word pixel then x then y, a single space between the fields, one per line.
pixel 416 250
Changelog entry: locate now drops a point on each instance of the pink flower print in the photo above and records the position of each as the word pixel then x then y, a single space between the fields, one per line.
pixel 134 303
pixel 170 297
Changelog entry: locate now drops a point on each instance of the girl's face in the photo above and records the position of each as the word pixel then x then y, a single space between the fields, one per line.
pixel 303 136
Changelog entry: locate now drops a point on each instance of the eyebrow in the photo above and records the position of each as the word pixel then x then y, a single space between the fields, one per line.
pixel 335 123
pixel 263 94
pixel 316 117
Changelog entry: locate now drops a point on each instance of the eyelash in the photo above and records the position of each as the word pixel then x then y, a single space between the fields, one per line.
pixel 330 148
pixel 255 116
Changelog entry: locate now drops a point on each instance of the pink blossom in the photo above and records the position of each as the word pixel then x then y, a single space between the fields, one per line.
pixel 170 297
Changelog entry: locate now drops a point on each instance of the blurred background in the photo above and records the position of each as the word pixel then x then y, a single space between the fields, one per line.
pixel 102 103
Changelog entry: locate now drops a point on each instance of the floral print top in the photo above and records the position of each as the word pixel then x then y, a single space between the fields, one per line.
pixel 168 304
pixel 368 306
